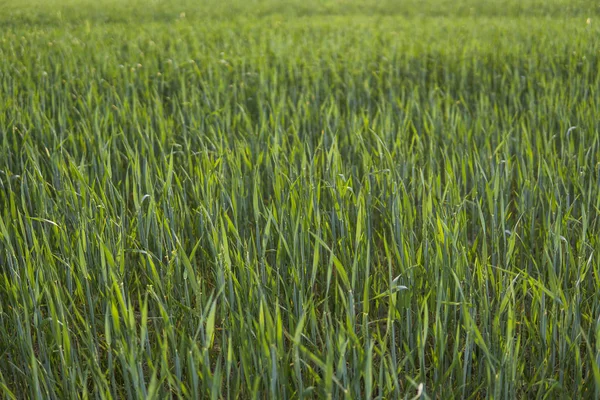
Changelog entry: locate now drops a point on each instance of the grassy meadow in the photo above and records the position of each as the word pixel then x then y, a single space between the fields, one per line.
pixel 299 199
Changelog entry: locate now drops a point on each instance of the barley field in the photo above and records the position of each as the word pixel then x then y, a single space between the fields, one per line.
pixel 299 199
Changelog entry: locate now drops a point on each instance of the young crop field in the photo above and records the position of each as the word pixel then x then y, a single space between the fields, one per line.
pixel 299 199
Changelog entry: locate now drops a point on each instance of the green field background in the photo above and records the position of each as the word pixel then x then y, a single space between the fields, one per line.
pixel 300 199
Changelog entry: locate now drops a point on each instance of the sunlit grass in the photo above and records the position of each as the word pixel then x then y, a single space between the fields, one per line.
pixel 293 204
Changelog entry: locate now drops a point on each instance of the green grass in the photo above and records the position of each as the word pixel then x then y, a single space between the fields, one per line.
pixel 300 200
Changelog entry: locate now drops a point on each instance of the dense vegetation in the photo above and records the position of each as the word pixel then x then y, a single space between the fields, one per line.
pixel 339 199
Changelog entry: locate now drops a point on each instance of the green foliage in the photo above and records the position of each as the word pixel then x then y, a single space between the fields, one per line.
pixel 300 200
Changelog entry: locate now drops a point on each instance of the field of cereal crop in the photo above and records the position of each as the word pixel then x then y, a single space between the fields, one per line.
pixel 300 199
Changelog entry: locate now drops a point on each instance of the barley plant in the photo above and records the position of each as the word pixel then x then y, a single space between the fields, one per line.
pixel 299 199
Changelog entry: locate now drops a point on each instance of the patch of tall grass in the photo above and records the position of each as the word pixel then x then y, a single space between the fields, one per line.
pixel 286 205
